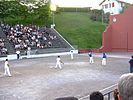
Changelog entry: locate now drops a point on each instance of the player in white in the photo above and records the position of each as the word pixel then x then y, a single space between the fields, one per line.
pixel 28 51
pixel 18 54
pixel 58 62
pixel 104 59
pixel 7 70
pixel 91 58
pixel 71 53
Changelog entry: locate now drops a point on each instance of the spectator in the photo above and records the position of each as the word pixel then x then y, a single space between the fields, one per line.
pixel 125 87
pixel 115 94
pixel 96 95
pixel 3 49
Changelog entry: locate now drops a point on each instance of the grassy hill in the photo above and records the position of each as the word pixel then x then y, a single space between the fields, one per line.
pixel 79 30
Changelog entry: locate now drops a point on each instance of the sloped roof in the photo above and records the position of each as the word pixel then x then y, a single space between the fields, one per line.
pixel 116 0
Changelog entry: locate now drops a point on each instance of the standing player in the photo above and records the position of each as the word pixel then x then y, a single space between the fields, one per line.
pixel 131 64
pixel 18 54
pixel 71 53
pixel 91 58
pixel 28 51
pixel 58 62
pixel 104 59
pixel 6 67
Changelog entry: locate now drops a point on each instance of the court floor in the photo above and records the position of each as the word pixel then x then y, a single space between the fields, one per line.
pixel 37 79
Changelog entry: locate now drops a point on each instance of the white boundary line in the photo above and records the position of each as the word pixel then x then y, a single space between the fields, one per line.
pixel 14 56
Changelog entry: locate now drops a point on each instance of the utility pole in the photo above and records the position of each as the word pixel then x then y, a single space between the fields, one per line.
pixel 102 16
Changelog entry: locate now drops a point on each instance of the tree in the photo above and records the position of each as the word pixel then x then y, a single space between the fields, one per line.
pixel 11 9
pixel 43 12
pixel 4 9
pixel 106 17
pixel 16 9
pixel 96 15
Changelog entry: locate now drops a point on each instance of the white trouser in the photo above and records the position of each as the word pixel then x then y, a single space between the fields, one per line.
pixel 7 71
pixel 71 56
pixel 104 61
pixel 28 53
pixel 91 60
pixel 58 64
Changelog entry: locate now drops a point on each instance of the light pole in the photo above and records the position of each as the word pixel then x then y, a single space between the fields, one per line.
pixel 53 18
pixel 53 9
pixel 102 16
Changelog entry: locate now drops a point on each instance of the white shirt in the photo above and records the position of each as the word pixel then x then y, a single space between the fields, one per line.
pixel 58 60
pixel 29 48
pixel 18 52
pixel 6 64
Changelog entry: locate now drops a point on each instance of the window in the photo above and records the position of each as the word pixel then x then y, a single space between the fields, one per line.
pixel 106 6
pixel 113 4
pixel 103 6
pixel 109 5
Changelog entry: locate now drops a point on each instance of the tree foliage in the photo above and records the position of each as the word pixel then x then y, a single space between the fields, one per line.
pixel 11 9
pixel 24 11
pixel 16 9
pixel 43 11
pixel 4 9
pixel 96 15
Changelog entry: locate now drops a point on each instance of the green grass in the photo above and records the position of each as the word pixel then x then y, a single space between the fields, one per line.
pixel 79 30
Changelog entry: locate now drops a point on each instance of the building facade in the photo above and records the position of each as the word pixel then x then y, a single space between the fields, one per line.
pixel 113 6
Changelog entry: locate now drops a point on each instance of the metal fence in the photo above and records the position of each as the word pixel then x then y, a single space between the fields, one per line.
pixel 107 92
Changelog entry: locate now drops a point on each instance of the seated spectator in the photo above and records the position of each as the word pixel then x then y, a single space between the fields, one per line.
pixel 115 94
pixel 4 50
pixel 67 98
pixel 96 95
pixel 125 87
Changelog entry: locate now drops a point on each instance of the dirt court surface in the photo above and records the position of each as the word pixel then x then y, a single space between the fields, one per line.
pixel 37 79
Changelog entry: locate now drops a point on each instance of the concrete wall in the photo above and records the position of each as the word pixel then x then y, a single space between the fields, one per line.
pixel 119 33
pixel 106 40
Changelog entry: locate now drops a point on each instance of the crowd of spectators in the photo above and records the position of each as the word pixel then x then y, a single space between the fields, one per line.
pixel 24 36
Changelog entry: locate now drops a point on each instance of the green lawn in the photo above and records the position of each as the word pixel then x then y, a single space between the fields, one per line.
pixel 79 30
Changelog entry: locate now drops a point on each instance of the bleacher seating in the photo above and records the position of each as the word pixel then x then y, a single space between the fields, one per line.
pixel 21 37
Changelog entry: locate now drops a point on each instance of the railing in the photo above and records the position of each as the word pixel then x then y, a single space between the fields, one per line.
pixel 107 92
